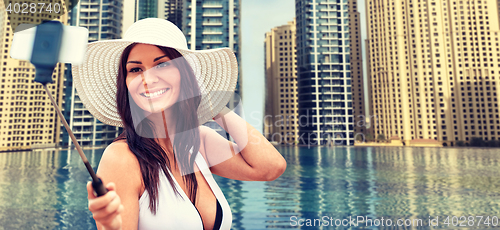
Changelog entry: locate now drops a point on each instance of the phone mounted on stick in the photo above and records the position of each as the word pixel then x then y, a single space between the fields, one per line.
pixel 44 46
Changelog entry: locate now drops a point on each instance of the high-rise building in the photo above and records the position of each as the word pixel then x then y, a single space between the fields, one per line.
pixel 434 69
pixel 213 24
pixel 281 117
pixel 357 82
pixel 175 8
pixel 149 9
pixel 166 9
pixel 324 72
pixel 103 19
pixel 498 5
pixel 27 116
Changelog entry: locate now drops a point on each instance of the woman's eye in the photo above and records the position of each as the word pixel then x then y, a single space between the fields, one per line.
pixel 133 70
pixel 163 64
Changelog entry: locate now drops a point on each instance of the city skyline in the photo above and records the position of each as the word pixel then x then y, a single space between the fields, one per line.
pixel 252 60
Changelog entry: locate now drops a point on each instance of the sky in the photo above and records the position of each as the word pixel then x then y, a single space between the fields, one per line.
pixel 257 18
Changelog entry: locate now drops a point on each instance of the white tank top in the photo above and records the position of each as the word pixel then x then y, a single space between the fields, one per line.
pixel 175 212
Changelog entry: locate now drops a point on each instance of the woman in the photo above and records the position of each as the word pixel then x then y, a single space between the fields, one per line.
pixel 159 170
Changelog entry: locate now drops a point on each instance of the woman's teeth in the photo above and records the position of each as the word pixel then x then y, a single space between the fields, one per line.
pixel 155 94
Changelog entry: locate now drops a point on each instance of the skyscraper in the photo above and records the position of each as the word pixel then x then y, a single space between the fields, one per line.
pixel 324 72
pixel 103 19
pixel 434 69
pixel 175 8
pixel 357 81
pixel 280 120
pixel 213 24
pixel 27 116
pixel 148 9
pixel 166 9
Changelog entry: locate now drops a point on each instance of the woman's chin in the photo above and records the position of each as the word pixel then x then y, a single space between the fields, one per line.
pixel 156 108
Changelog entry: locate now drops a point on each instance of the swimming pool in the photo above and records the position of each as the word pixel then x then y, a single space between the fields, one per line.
pixel 321 187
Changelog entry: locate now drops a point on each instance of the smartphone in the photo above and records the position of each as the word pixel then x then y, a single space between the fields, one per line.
pixel 73 44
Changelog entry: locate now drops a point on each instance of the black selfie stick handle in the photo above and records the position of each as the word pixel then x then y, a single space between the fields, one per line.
pixel 99 188
pixel 97 184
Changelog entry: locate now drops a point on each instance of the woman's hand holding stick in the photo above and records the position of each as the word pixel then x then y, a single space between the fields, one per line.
pixel 106 209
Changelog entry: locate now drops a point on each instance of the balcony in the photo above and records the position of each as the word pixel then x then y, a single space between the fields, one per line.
pixel 332 107
pixel 88 24
pixel 80 116
pixel 82 124
pixel 212 33
pixel 79 108
pixel 212 23
pixel 211 42
pixel 212 6
pixel 212 15
pixel 82 131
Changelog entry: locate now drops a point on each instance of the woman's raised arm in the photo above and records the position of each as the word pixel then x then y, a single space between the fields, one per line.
pixel 257 159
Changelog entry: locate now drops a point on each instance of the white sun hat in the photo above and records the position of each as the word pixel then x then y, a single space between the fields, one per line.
pixel 216 70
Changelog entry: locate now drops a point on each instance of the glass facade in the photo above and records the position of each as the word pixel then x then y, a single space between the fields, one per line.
pixel 146 9
pixel 323 67
pixel 165 9
pixel 175 12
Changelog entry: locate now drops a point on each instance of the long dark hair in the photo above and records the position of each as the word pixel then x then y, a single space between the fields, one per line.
pixel 140 138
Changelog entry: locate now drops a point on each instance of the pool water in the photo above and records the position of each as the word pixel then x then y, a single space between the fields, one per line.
pixel 45 189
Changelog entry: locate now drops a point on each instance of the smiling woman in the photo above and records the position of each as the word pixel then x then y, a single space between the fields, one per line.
pixel 159 170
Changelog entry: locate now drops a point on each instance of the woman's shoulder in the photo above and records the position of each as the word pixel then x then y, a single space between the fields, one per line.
pixel 119 151
pixel 118 162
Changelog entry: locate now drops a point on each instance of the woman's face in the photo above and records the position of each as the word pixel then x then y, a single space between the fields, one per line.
pixel 153 80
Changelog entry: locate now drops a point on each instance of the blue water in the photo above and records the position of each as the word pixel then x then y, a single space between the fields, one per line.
pixel 46 189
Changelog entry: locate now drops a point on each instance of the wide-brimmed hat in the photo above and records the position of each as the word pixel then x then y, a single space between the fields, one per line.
pixel 216 70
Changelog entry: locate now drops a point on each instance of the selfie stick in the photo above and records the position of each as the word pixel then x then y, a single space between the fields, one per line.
pixel 44 57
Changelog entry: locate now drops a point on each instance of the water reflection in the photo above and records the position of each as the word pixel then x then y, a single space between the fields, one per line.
pixel 384 182
pixel 46 189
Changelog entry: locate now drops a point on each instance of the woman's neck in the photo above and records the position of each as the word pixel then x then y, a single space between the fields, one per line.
pixel 164 126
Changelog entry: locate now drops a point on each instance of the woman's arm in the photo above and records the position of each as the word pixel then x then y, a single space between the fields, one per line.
pixel 120 166
pixel 257 159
